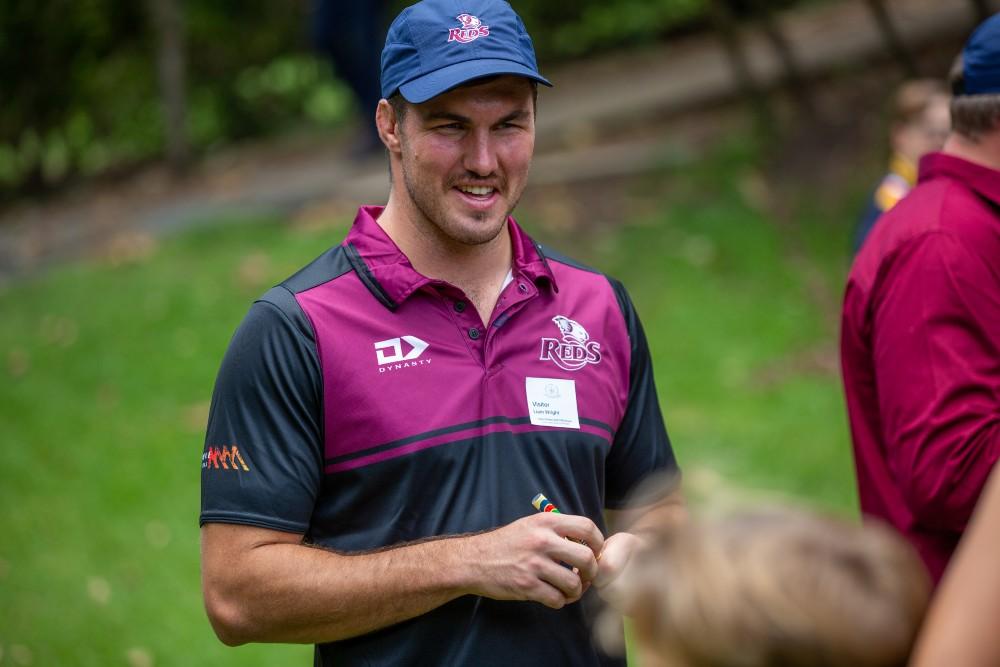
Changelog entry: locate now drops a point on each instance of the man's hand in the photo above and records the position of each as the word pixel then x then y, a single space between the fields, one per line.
pixel 548 558
pixel 618 550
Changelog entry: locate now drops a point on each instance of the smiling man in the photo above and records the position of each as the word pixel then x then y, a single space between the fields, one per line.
pixel 383 418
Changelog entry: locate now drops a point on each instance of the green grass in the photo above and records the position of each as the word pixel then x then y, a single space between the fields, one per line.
pixel 741 315
pixel 107 371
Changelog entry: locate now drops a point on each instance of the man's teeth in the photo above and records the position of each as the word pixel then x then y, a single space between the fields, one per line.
pixel 476 190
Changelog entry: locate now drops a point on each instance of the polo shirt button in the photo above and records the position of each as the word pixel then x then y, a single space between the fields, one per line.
pixel 459 306
pixel 474 333
pixel 522 288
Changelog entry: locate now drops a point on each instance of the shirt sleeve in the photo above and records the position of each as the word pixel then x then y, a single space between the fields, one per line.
pixel 936 351
pixel 262 463
pixel 641 446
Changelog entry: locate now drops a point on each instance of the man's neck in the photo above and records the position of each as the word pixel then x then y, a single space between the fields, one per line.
pixel 478 270
pixel 985 151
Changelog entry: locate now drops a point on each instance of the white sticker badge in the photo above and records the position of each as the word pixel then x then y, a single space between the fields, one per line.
pixel 552 402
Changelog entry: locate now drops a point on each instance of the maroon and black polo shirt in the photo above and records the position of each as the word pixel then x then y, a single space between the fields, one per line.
pixel 363 405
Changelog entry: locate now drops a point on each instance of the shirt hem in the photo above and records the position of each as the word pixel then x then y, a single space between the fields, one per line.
pixel 251 520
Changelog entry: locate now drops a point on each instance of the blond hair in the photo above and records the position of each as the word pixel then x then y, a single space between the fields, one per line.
pixel 777 587
pixel 912 99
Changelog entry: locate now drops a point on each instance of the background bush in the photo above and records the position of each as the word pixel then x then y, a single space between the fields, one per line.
pixel 80 96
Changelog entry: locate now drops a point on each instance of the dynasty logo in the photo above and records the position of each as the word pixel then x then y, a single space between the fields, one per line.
pixel 575 350
pixel 227 458
pixel 471 30
pixel 390 355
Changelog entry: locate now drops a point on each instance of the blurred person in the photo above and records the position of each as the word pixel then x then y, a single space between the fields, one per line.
pixel 383 418
pixel 919 125
pixel 774 586
pixel 920 340
pixel 961 626
pixel 350 35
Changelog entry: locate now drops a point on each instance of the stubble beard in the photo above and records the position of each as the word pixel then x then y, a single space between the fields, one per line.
pixel 437 220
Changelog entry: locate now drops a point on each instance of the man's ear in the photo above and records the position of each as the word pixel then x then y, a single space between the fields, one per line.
pixel 388 126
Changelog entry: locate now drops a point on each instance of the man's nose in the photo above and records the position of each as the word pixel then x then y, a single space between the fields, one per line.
pixel 480 154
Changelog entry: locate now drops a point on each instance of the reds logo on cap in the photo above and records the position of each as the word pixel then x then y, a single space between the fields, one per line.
pixel 471 30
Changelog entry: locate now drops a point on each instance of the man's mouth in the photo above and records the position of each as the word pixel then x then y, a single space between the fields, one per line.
pixel 478 197
pixel 479 191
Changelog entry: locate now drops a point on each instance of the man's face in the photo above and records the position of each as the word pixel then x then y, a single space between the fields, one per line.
pixel 465 156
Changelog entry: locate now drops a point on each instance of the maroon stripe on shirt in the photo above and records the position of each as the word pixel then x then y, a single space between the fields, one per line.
pixel 410 446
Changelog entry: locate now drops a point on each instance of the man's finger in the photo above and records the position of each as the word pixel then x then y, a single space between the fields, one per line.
pixel 580 529
pixel 564 580
pixel 618 550
pixel 550 596
pixel 577 556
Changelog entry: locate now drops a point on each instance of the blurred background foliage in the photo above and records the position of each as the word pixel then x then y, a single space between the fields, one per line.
pixel 79 83
pixel 249 73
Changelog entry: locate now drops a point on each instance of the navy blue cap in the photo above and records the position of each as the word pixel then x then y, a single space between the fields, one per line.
pixel 981 59
pixel 436 45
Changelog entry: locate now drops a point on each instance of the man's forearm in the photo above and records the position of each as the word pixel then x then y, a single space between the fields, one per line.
pixel 291 592
pixel 263 585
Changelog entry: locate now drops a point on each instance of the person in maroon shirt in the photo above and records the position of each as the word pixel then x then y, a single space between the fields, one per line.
pixel 920 341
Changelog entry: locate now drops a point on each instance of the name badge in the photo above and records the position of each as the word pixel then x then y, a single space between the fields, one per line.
pixel 552 402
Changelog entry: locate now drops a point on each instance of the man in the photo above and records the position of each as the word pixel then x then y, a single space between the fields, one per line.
pixel 920 124
pixel 383 419
pixel 921 328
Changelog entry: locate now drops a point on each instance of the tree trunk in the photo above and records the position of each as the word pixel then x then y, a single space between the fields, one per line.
pixel 793 75
pixel 981 9
pixel 168 25
pixel 725 24
pixel 892 40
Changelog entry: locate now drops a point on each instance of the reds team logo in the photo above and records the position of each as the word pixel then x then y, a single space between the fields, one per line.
pixel 471 30
pixel 575 350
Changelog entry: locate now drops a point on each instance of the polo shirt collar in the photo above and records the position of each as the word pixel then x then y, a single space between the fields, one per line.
pixel 387 272
pixel 981 179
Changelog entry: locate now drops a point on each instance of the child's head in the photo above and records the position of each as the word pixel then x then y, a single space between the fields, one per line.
pixel 920 118
pixel 771 588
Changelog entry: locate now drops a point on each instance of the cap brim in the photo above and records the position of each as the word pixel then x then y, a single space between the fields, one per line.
pixel 433 84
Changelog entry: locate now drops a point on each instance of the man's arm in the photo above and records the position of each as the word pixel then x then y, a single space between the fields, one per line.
pixel 633 526
pixel 263 585
pixel 961 626
pixel 936 342
pixel 651 515
pixel 641 459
